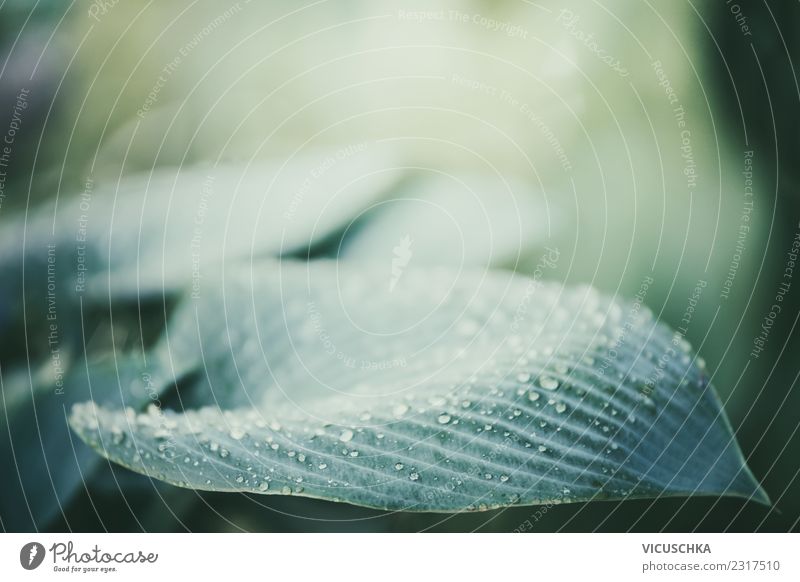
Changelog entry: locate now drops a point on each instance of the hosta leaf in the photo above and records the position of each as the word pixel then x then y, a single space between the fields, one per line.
pixel 450 391
pixel 426 222
pixel 167 229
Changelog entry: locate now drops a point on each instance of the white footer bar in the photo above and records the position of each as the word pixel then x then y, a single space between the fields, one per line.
pixel 406 557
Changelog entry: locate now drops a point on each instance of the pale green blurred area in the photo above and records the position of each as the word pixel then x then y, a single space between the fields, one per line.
pixel 172 84
pixel 252 81
pixel 179 84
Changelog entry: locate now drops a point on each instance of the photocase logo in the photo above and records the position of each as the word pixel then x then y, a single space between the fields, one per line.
pixel 31 555
pixel 402 255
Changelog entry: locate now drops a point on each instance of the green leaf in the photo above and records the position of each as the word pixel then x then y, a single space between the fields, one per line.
pixel 164 230
pixel 448 391
pixel 507 219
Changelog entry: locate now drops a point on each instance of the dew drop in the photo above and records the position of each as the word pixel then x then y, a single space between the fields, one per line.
pixel 548 382
pixel 443 418
pixel 533 396
pixel 523 377
pixel 346 436
pixel 237 433
pixel 263 486
pixel 414 476
pixel 399 410
pixel 561 407
pixel 117 436
pixel 399 466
